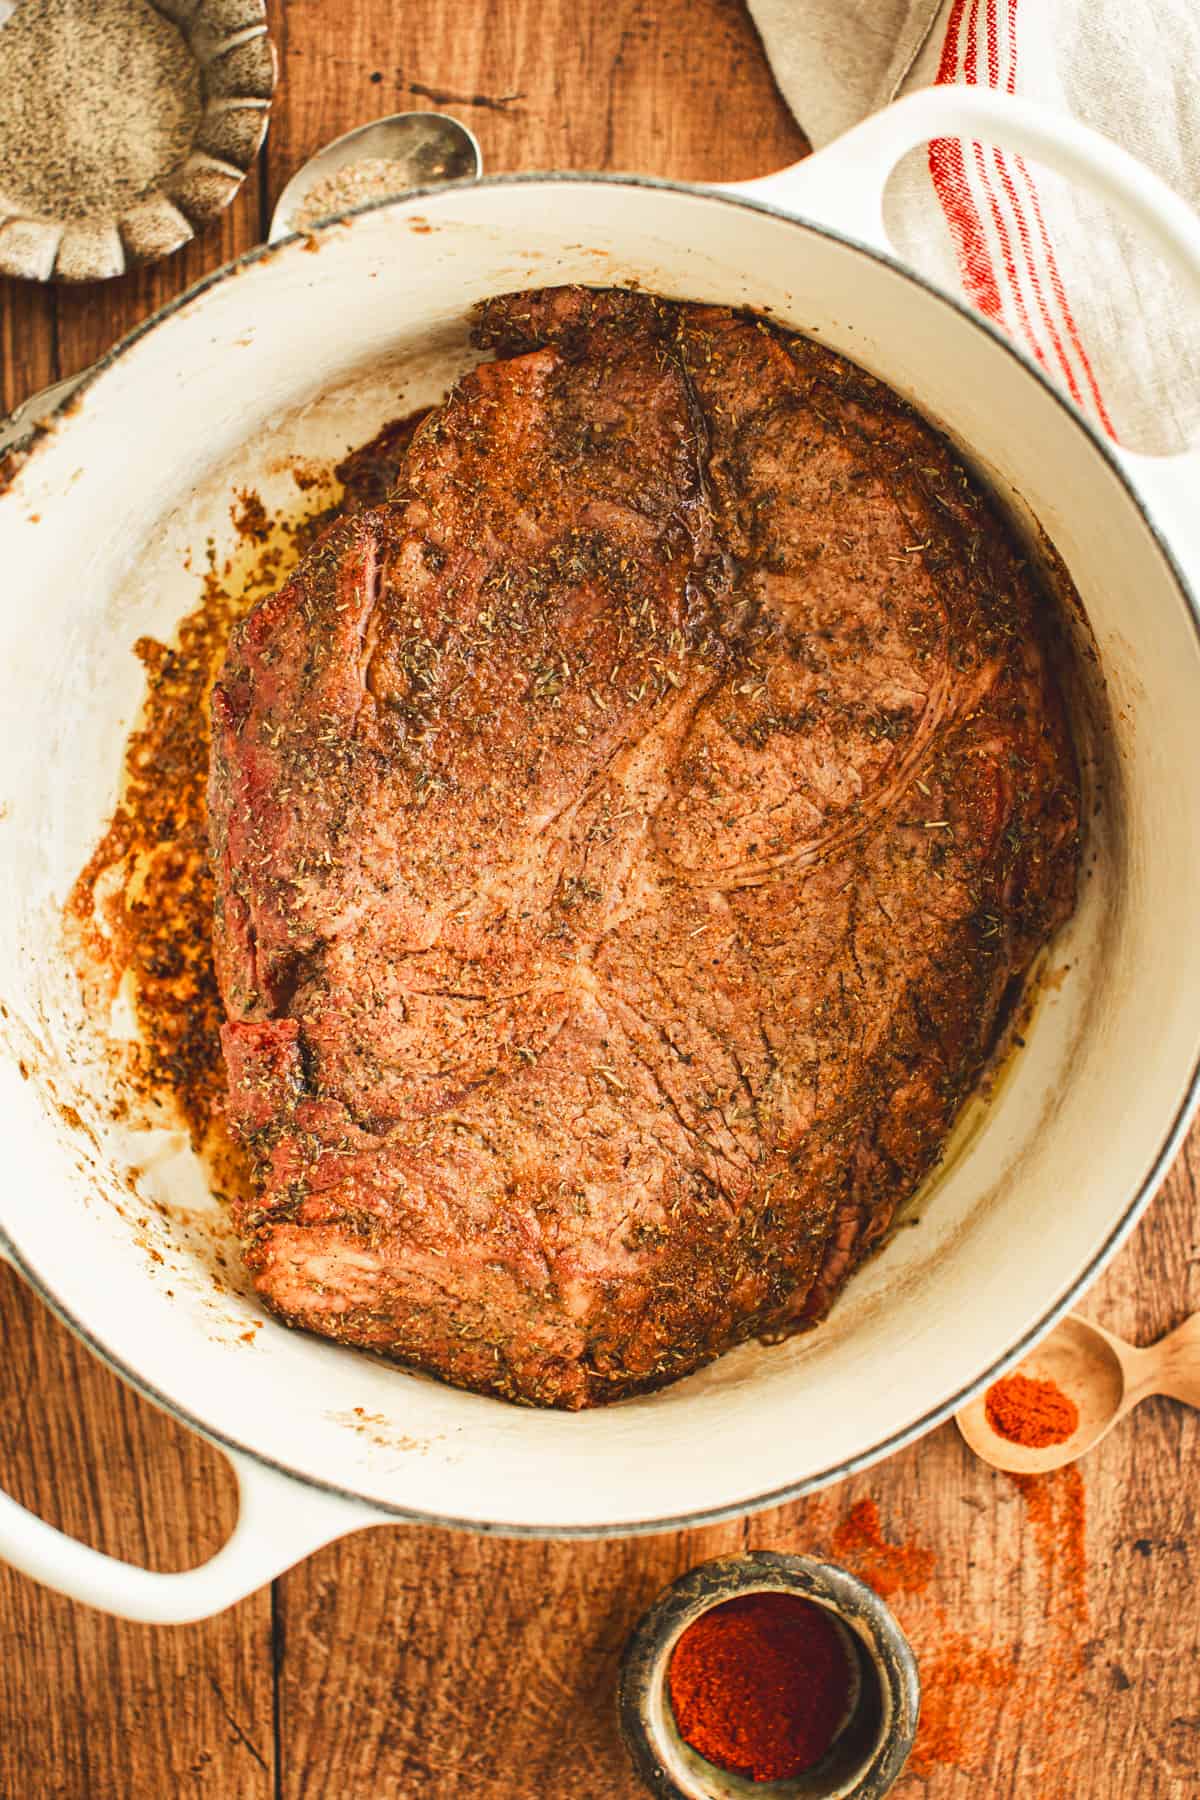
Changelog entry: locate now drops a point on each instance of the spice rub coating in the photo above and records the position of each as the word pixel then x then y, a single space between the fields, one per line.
pixel 629 840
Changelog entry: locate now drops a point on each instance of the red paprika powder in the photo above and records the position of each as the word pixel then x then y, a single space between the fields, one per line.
pixel 888 1568
pixel 1033 1413
pixel 761 1685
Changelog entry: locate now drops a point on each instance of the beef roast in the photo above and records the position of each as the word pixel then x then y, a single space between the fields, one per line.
pixel 630 836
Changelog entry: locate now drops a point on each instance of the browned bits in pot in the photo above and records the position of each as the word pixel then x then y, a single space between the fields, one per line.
pixel 142 906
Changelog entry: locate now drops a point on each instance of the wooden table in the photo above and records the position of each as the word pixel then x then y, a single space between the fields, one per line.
pixel 407 1663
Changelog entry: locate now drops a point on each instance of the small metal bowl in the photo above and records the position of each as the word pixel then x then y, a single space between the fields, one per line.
pixel 865 1759
pixel 60 231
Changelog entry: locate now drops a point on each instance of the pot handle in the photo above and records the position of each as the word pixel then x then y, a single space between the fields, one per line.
pixel 280 1522
pixel 842 187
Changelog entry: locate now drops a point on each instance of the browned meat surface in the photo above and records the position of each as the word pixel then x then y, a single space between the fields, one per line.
pixel 629 839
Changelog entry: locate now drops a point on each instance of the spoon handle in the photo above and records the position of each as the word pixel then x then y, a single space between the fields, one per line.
pixel 21 423
pixel 1176 1370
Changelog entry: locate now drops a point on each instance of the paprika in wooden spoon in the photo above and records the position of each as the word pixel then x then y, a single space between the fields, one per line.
pixel 1072 1390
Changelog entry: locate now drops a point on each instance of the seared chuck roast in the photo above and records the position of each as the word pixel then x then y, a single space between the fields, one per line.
pixel 630 838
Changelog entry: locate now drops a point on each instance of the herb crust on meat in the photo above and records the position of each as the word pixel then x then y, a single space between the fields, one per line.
pixel 630 835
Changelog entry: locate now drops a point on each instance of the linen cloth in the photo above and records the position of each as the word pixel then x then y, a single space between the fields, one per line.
pixel 1041 256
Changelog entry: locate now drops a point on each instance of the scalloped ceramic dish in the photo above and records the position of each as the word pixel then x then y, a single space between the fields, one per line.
pixel 227 42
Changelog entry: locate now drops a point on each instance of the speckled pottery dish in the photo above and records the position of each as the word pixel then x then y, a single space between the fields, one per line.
pixel 124 126
pixel 868 1754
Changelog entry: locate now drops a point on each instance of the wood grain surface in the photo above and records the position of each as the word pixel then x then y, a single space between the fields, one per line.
pixel 406 1662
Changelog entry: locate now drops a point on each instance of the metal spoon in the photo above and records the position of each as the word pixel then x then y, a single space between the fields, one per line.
pixel 1104 1376
pixel 427 148
pixel 23 421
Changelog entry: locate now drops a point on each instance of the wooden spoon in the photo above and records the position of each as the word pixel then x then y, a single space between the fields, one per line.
pixel 1103 1375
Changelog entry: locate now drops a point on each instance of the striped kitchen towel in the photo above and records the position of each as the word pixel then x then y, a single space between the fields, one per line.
pixel 1039 255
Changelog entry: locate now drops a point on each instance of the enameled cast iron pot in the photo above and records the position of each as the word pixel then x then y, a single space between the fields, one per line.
pixel 288 352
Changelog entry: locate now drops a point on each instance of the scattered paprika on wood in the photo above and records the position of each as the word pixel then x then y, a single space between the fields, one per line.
pixel 889 1568
pixel 1033 1413
pixel 1058 1519
pixel 761 1685
pixel 968 1679
pixel 964 1684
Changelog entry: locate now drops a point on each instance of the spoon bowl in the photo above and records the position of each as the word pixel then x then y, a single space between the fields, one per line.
pixel 1103 1375
pixel 426 147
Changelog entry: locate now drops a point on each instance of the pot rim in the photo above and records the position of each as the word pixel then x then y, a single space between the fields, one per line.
pixel 1175 1132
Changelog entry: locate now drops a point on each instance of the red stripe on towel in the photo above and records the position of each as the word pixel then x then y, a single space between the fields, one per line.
pixel 991 288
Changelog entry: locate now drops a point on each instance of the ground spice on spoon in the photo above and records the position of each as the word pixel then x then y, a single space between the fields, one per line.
pixel 761 1685
pixel 1033 1413
pixel 370 178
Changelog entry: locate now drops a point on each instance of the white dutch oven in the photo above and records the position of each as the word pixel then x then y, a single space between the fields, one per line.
pixel 281 353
